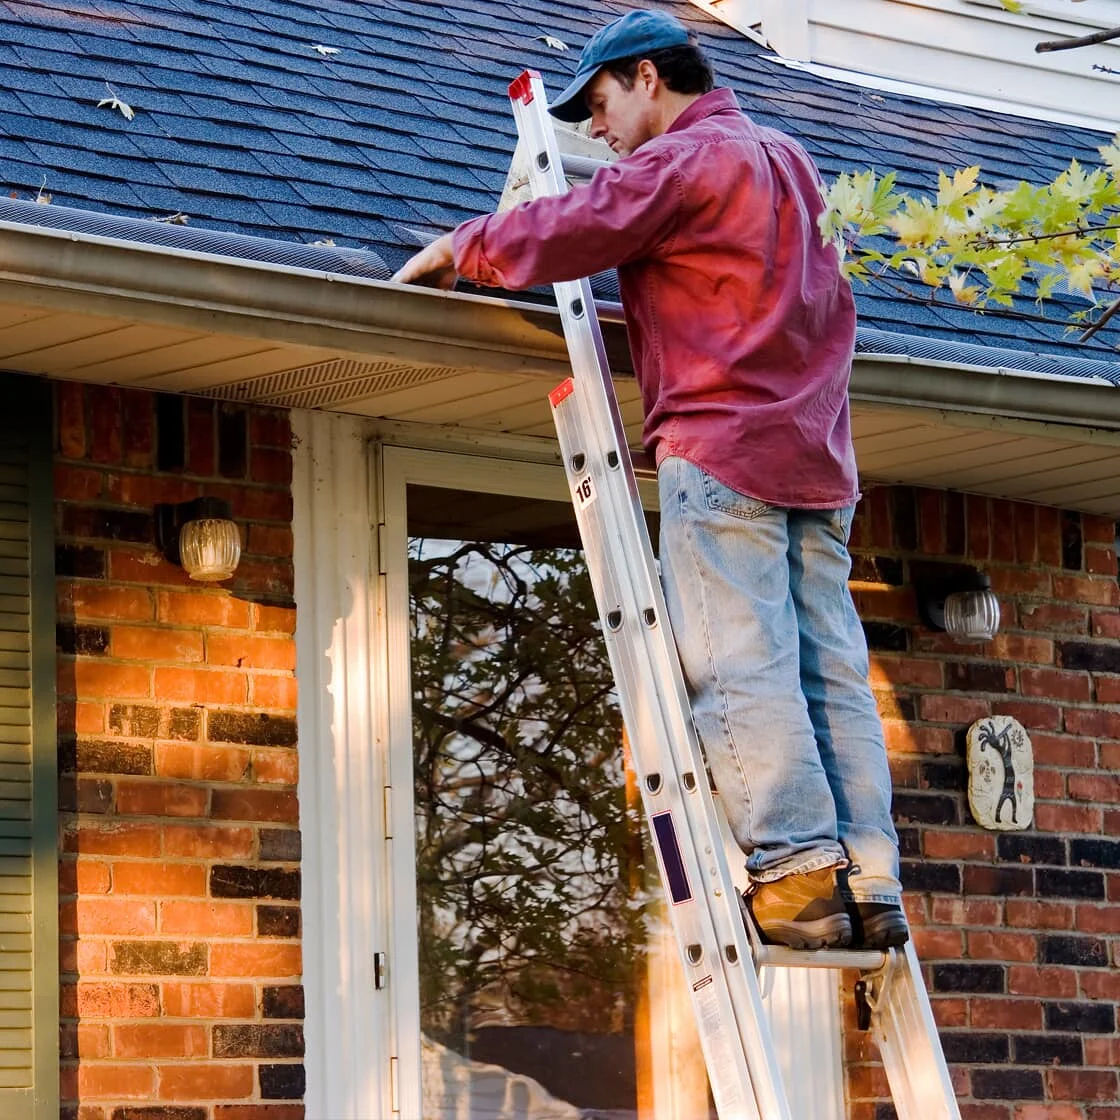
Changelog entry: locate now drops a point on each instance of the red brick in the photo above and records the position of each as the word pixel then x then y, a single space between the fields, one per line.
pixel 208 841
pixel 972 1110
pixel 206 919
pixel 1082 1084
pixel 1021 648
pixel 250 652
pixel 1098 530
pixel 278 767
pixel 108 1000
pixel 76 484
pixel 255 959
pixel 952 709
pixel 1000 946
pixel 156 643
pixel 95 602
pixel 275 620
pixel 104 423
pixel 126 917
pixel 254 805
pixel 208 1000
pixel 254 503
pixel 1030 980
pixel 88 718
pixel 259 1112
pixel 1011 1014
pixel 917 672
pixel 1032 715
pixel 1063 750
pixel 1094 722
pixel 114 839
pixel 978 513
pixel 1009 583
pixel 92 876
pixel 1097 919
pixel 1049 785
pixel 265 577
pixel 910 738
pixel 1049 536
pixel 91 958
pixel 152 878
pixel 1058 618
pixel 105 679
pixel 268 690
pixel 199 1081
pixel 1067 818
pixel 950 1011
pixel 145 491
pixel 1102 1052
pixel 1110 756
pixel 1095 787
pixel 938 944
pixel 931 521
pixel 145 567
pixel 71 419
pixel 270 466
pixel 1106 625
pixel 1048 1112
pixel 895 604
pixel 201 686
pixel 1027 913
pixel 269 540
pixel 201 763
pixel 160 799
pixel 91 1040
pixel 204 608
pixel 201 436
pixel 120 1082
pixel 1100 984
pixel 966 912
pixel 1055 684
pixel 958 845
pixel 1095 591
pixel 270 428
pixel 1107 689
pixel 160 1040
pixel 905 772
pixel 138 427
pixel 1100 560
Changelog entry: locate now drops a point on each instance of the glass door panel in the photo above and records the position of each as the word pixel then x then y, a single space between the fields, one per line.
pixel 543 953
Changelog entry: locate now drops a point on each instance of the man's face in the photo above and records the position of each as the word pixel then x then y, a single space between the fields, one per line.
pixel 623 117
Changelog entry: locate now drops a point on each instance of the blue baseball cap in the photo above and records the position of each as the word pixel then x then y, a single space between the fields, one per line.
pixel 636 33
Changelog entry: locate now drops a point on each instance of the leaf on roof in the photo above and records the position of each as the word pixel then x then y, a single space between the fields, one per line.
pixel 176 219
pixel 44 197
pixel 326 243
pixel 553 42
pixel 325 51
pixel 114 102
pixel 1012 5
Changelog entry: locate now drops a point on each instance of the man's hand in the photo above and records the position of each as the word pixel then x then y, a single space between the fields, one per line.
pixel 433 266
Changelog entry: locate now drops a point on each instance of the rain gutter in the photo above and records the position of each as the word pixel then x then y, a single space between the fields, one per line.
pixel 90 274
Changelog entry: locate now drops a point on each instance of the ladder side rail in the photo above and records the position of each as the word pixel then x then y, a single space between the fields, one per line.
pixel 909 1044
pixel 727 934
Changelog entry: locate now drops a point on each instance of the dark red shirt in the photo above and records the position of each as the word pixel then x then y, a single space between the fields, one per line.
pixel 740 324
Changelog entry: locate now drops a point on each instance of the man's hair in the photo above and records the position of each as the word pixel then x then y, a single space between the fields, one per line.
pixel 682 69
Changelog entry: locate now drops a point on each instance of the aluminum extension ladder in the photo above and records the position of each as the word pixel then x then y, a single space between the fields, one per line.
pixel 721 952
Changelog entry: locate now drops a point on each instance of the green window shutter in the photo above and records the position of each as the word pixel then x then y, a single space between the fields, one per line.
pixel 28 761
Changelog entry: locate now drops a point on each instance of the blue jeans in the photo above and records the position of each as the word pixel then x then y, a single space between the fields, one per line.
pixel 776 664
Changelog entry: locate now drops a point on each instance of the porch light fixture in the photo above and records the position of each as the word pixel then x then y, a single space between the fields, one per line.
pixel 958 600
pixel 201 536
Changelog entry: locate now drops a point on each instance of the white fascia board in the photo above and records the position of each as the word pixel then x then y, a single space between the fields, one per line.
pixel 945 96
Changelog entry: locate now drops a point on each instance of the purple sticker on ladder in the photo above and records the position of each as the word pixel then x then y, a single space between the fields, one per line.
pixel 671 859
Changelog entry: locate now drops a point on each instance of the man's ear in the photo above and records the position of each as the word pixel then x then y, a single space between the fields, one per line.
pixel 647 77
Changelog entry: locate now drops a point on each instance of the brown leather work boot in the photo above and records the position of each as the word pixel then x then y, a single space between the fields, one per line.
pixel 802 911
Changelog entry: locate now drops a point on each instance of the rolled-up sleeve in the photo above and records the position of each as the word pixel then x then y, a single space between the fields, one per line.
pixel 626 211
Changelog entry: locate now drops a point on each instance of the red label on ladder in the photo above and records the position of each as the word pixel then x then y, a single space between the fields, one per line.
pixel 521 88
pixel 562 392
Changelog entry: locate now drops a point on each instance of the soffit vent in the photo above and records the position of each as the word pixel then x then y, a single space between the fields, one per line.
pixel 332 383
pixel 215 243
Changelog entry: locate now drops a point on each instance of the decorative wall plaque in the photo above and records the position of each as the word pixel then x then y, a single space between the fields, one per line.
pixel 1000 774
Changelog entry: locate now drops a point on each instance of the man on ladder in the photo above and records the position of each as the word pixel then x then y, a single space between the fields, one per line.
pixel 742 333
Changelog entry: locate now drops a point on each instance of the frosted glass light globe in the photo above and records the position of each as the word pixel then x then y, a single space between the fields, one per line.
pixel 210 548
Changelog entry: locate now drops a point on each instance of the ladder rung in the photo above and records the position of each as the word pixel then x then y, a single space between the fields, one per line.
pixel 866 960
pixel 582 167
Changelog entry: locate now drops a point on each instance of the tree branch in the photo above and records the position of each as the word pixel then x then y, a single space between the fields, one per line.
pixel 1111 310
pixel 1081 41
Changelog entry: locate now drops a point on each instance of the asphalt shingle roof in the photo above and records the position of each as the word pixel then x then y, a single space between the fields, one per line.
pixel 242 125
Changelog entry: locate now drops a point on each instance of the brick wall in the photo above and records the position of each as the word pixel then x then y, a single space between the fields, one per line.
pixel 179 873
pixel 1019 932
